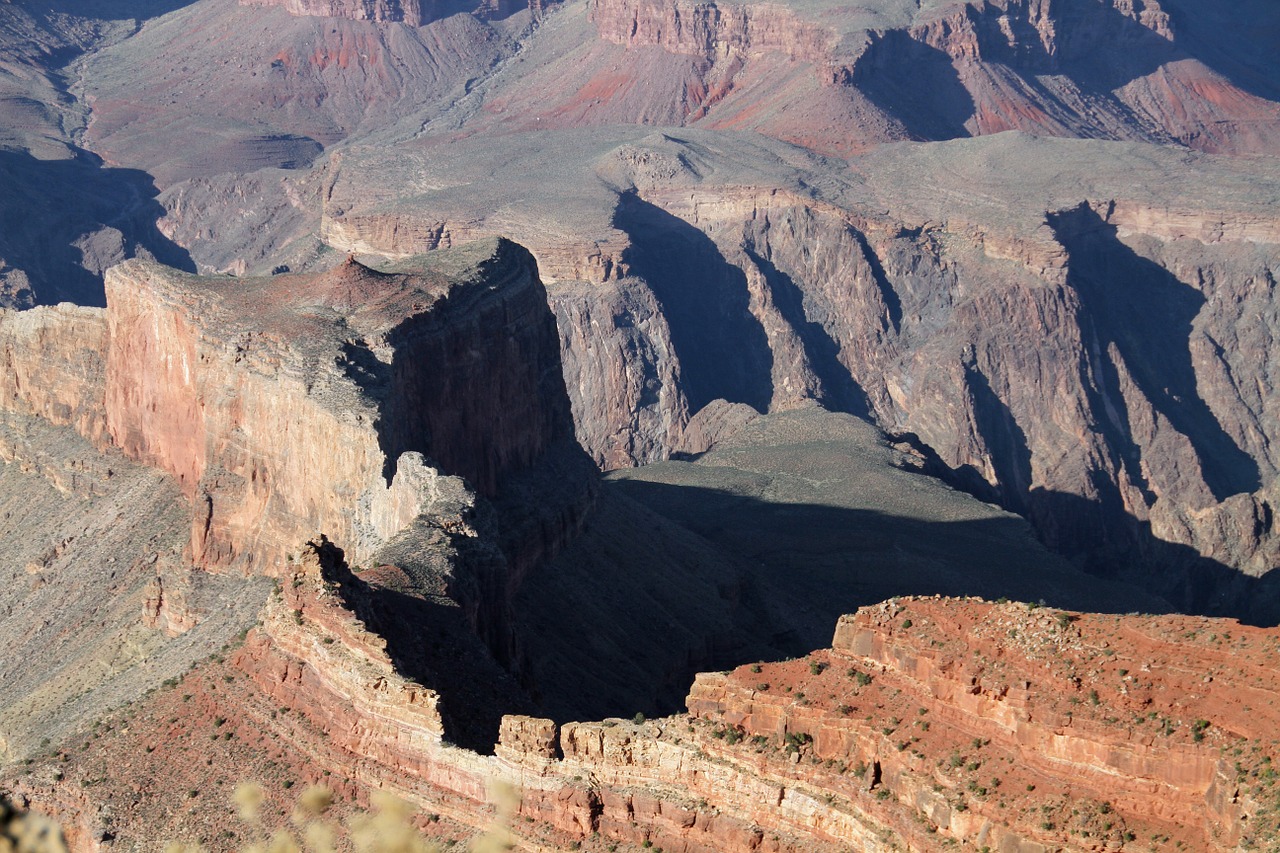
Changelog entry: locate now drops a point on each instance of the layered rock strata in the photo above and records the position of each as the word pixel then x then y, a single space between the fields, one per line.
pixel 1114 69
pixel 54 366
pixel 930 722
pixel 413 13
pixel 904 290
pixel 326 413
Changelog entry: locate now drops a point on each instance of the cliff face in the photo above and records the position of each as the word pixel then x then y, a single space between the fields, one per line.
pixel 925 318
pixel 1021 726
pixel 620 371
pixel 321 413
pixel 413 13
pixel 929 722
pixel 340 408
pixel 54 366
pixel 711 31
pixel 963 316
pixel 949 70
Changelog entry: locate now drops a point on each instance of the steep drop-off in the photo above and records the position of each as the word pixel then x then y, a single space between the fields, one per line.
pixel 930 722
pixel 1088 351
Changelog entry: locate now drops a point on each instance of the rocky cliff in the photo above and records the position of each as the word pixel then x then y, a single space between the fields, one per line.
pixel 319 414
pixel 413 13
pixel 930 721
pixel 995 722
pixel 54 366
pixel 950 69
pixel 417 413
pixel 907 290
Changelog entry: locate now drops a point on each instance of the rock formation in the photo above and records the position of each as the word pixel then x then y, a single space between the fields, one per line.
pixel 413 13
pixel 918 317
pixel 1026 246
pixel 315 418
pixel 357 374
pixel 930 721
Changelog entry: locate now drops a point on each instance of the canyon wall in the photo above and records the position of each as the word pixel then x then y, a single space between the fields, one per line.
pixel 346 404
pixel 711 31
pixel 54 366
pixel 1112 430
pixel 951 70
pixel 290 406
pixel 930 722
pixel 413 13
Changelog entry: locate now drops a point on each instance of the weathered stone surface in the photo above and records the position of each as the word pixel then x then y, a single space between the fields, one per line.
pixel 414 13
pixel 621 372
pixel 526 739
pixel 411 12
pixel 312 652
pixel 168 608
pixel 53 366
pixel 1112 716
pixel 315 415
pixel 931 721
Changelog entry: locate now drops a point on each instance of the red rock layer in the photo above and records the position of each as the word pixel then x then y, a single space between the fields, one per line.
pixel 320 414
pixel 330 398
pixel 930 722
pixel 1075 731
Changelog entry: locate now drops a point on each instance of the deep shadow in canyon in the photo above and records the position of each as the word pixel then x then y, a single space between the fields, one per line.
pixel 1146 314
pixel 669 580
pixel 63 222
pixel 721 346
pixel 915 83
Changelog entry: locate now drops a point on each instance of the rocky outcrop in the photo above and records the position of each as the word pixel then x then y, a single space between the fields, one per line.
pixel 413 13
pixel 712 31
pixel 370 378
pixel 620 370
pixel 930 722
pixel 168 608
pixel 54 366
pixel 312 652
pixel 348 406
pixel 561 257
pixel 1022 726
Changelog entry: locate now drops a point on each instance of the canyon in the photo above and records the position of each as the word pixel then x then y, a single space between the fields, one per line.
pixel 391 389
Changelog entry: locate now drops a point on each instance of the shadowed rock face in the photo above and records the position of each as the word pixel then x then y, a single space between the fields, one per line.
pixel 294 405
pixel 1089 351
